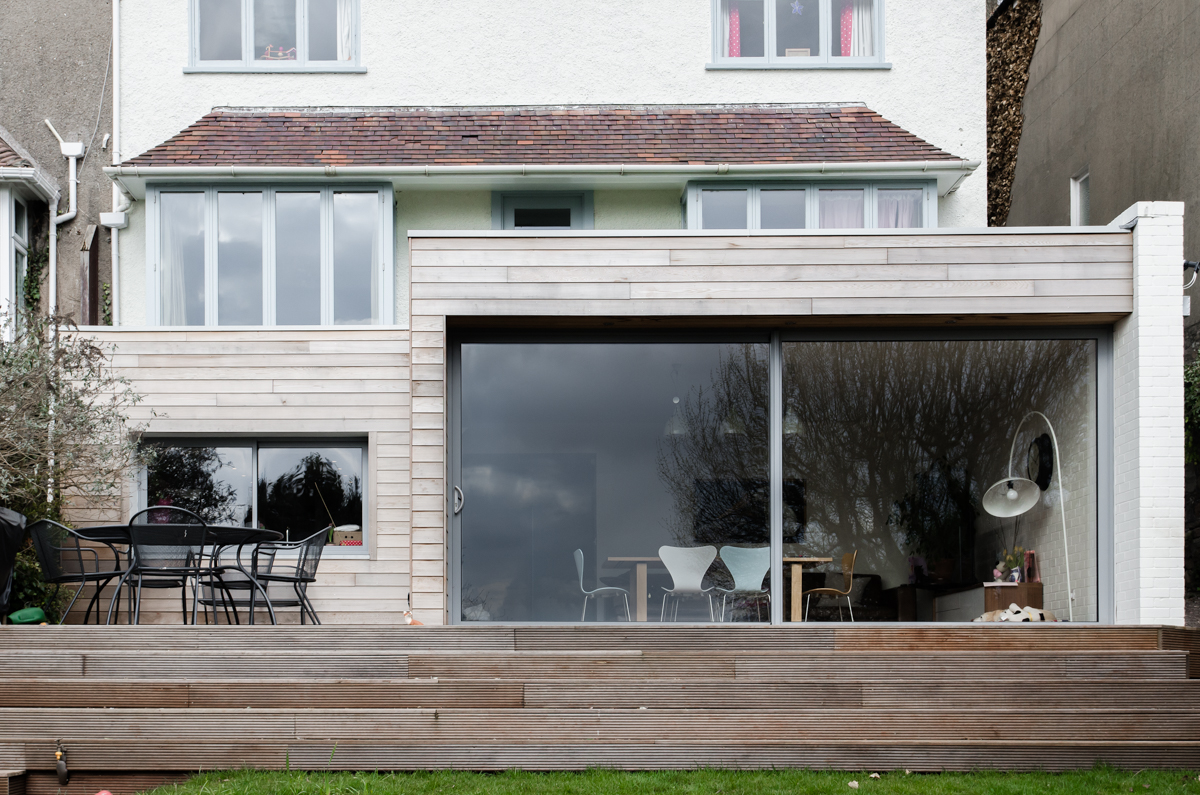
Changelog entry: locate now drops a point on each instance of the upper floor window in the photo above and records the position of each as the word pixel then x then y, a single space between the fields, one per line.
pixel 786 205
pixel 1081 200
pixel 288 256
pixel 539 210
pixel 20 250
pixel 275 35
pixel 797 33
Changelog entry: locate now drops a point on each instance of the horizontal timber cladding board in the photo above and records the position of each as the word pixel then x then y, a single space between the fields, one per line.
pixel 344 638
pixel 963 665
pixel 725 751
pixel 571 665
pixel 652 240
pixel 432 727
pixel 263 693
pixel 1039 694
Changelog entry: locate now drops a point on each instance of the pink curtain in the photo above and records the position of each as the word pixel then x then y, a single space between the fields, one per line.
pixel 735 31
pixel 847 27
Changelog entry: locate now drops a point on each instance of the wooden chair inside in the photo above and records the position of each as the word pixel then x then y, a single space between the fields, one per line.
pixel 847 583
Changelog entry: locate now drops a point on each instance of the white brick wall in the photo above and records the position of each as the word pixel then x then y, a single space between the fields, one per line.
pixel 1148 420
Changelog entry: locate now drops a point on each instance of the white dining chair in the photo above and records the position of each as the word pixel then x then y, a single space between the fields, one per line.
pixel 687 567
pixel 748 566
pixel 604 590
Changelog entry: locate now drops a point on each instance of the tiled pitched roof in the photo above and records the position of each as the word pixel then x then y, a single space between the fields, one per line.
pixel 9 157
pixel 765 134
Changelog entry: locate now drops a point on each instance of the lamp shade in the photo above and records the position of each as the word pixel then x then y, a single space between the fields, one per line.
pixel 1011 497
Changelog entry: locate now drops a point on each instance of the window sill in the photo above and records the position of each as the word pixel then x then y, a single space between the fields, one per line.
pixel 727 67
pixel 274 70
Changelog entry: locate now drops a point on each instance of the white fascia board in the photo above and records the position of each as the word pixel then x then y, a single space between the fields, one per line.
pixel 35 179
pixel 948 173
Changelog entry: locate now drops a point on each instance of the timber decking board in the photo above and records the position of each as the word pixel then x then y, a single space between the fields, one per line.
pixel 571 665
pixel 964 665
pixel 853 755
pixel 602 726
pixel 246 639
pixel 201 664
pixel 87 782
pixel 1186 640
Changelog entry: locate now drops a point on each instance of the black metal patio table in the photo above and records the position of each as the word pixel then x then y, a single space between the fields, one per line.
pixel 218 537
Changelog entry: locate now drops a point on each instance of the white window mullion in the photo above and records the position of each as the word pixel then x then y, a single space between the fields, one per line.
pixel 211 265
pixel 754 221
pixel 248 32
pixel 870 214
pixel 827 28
pixel 268 237
pixel 301 32
pixel 327 275
pixel 769 33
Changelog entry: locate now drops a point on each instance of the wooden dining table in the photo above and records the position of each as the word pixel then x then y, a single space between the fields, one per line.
pixel 641 567
pixel 798 565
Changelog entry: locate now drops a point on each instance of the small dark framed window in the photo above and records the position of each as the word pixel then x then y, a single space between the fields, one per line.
pixel 542 211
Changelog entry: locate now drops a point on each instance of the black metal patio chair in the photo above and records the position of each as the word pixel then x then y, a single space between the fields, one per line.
pixel 166 551
pixel 268 567
pixel 68 558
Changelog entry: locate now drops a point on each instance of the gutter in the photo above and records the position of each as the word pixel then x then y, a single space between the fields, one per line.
pixel 932 167
pixel 35 177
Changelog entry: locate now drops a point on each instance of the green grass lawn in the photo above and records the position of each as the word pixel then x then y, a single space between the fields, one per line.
pixel 1102 780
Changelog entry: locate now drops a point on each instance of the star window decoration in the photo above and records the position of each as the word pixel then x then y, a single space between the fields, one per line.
pixel 797 8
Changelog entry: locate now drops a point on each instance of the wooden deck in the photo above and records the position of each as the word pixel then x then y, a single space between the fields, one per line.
pixel 134 703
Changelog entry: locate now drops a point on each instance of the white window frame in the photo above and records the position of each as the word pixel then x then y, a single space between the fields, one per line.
pixel 11 282
pixel 142 477
pixel 826 60
pixel 249 64
pixel 580 203
pixel 929 204
pixel 386 242
pixel 1077 181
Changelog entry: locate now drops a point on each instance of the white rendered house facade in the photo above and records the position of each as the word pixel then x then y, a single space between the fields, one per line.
pixel 671 235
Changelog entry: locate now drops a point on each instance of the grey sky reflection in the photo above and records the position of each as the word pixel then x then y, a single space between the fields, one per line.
pixel 560 450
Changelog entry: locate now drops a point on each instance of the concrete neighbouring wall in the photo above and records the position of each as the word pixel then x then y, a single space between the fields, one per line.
pixel 1148 420
pixel 514 52
pixel 1111 91
pixel 53 58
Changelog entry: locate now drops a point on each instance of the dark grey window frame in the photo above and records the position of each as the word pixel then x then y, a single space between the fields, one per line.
pixel 254 443
pixel 1105 463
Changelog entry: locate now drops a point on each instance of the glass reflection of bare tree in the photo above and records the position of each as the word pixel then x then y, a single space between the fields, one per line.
pixel 874 418
pixel 864 421
pixel 185 477
pixel 715 462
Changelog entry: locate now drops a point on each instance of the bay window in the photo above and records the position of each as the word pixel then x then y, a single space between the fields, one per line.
pixel 797 33
pixel 769 205
pixel 274 35
pixel 291 256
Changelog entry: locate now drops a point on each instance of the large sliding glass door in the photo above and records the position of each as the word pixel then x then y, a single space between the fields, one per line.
pixel 599 471
pixel 616 450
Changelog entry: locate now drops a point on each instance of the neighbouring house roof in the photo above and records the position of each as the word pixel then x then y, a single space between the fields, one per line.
pixel 9 158
pixel 710 134
pixel 17 165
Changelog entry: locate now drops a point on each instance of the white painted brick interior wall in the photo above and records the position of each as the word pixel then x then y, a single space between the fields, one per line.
pixel 1148 419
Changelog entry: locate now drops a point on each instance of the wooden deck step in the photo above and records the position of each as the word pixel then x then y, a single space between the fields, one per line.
pixel 431 727
pixel 724 637
pixel 520 666
pixel 585 694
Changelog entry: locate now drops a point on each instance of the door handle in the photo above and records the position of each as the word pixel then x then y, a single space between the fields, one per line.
pixel 458 500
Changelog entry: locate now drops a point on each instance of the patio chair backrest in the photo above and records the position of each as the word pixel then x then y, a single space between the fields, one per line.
pixel 747 565
pixel 308 555
pixel 167 546
pixel 49 538
pixel 63 557
pixel 165 514
pixel 687 566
